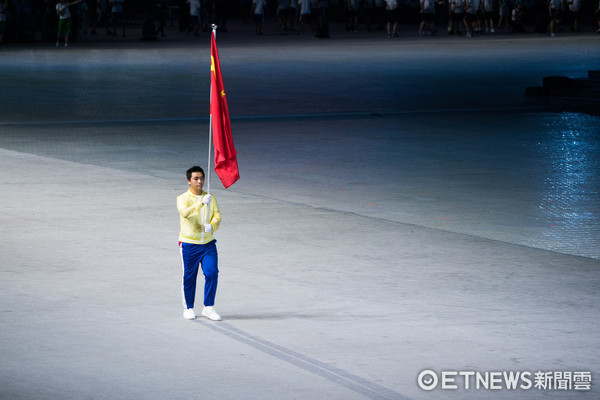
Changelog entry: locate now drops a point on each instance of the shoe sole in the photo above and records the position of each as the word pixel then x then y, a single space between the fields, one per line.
pixel 212 319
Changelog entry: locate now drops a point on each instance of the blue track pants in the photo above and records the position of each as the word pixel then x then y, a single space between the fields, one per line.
pixel 192 257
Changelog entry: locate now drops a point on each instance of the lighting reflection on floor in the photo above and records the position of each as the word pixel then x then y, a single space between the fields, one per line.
pixel 570 200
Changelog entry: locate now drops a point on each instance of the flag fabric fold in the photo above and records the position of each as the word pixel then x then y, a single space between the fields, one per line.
pixel 226 165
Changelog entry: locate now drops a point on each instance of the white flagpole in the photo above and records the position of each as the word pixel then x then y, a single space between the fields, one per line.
pixel 214 32
pixel 210 124
pixel 209 155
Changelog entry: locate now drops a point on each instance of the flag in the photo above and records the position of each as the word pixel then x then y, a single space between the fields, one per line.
pixel 226 165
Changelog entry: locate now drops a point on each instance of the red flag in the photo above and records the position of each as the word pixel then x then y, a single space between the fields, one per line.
pixel 225 155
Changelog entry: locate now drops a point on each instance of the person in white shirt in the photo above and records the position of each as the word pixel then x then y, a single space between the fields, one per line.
pixel 574 11
pixel 352 7
pixel 392 15
pixel 293 15
pixel 194 26
pixel 258 10
pixel 64 20
pixel 304 6
pixel 488 15
pixel 3 7
pixel 517 19
pixel 554 7
pixel 117 15
pixel 427 16
pixel 474 13
pixel 457 11
pixel 283 13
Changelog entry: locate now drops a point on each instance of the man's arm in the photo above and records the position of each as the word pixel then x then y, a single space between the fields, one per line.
pixel 185 210
pixel 215 219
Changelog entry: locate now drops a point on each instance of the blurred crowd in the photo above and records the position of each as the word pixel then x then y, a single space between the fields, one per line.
pixel 26 21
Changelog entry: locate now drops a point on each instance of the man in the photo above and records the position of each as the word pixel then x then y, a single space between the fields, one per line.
pixel 392 13
pixel 427 16
pixel 199 217
pixel 554 8
pixel 457 11
pixel 3 8
pixel 304 6
pixel 282 14
pixel 258 10
pixel 194 17
pixel 517 19
pixel 64 20
pixel 117 15
pixel 488 15
pixel 574 11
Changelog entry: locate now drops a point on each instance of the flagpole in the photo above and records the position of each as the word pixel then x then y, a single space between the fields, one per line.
pixel 209 155
pixel 214 32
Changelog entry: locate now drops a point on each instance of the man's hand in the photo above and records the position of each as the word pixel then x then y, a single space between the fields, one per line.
pixel 206 199
pixel 208 228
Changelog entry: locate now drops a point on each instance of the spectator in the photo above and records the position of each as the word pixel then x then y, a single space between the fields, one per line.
pixel 117 16
pixel 457 11
pixel 488 15
pixel 352 9
pixel 101 17
pixel 3 9
pixel 293 15
pixel 392 16
pixel 427 16
pixel 283 14
pixel 84 18
pixel 258 10
pixel 322 19
pixel 503 14
pixel 475 10
pixel 64 20
pixel 574 10
pixel 517 19
pixel 304 6
pixel 162 7
pixel 194 26
pixel 554 11
pixel 470 15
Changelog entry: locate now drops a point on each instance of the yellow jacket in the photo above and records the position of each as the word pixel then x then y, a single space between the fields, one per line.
pixel 193 215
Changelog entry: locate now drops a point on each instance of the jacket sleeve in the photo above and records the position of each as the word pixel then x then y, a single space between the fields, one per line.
pixel 215 220
pixel 186 207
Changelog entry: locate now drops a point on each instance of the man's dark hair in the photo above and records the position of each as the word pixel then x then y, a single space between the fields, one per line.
pixel 195 168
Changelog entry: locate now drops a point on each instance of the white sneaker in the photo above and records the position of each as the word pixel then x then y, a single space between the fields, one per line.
pixel 211 314
pixel 189 313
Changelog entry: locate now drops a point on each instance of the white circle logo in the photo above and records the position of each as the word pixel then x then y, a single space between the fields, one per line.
pixel 427 380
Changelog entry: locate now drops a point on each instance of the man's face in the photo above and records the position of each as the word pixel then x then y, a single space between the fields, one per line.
pixel 196 182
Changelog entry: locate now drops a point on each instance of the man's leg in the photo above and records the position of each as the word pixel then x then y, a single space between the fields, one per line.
pixel 210 268
pixel 190 260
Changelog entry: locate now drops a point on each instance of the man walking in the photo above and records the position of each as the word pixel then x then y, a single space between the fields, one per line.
pixel 199 217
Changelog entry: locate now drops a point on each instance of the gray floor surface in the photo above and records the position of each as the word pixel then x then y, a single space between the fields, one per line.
pixel 402 207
